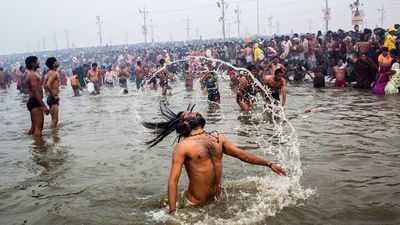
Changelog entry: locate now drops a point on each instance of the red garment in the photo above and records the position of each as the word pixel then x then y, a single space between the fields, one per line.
pixel 340 83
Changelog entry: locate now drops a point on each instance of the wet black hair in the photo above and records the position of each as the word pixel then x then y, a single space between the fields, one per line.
pixel 94 64
pixel 29 62
pixel 174 122
pixel 162 61
pixel 277 71
pixel 251 67
pixel 50 62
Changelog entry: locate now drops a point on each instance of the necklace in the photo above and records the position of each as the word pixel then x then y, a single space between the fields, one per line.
pixel 193 135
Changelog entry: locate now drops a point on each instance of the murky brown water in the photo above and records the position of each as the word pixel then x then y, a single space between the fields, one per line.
pixel 96 170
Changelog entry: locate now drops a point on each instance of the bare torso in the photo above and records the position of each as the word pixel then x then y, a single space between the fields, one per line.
pixel 340 73
pixel 93 75
pixel 53 83
pixel 138 73
pixel 273 84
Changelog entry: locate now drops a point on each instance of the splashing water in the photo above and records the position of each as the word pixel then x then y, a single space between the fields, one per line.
pixel 253 199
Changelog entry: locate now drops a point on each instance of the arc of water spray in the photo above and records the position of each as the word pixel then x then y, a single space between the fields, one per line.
pixel 265 89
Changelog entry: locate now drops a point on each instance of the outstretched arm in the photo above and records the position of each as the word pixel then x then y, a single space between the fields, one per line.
pixel 232 150
pixel 178 158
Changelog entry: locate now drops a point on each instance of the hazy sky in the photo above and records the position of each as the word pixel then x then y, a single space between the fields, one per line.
pixel 26 24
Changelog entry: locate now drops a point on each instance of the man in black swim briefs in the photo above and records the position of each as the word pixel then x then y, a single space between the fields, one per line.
pixel 52 85
pixel 35 103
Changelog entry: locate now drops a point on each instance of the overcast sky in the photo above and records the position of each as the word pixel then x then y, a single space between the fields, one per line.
pixel 26 24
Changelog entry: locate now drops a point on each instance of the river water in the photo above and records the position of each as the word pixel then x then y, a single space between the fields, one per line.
pixel 95 169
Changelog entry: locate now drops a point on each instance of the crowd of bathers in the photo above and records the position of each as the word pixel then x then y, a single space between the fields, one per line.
pixel 367 59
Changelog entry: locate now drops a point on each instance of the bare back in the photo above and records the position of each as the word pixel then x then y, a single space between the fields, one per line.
pixel 33 82
pixel 203 163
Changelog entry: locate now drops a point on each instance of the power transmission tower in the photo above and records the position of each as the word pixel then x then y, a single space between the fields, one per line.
pixel 327 15
pixel 67 38
pixel 222 5
pixel 187 29
pixel 100 33
pixel 258 17
pixel 237 12
pixel 55 40
pixel 144 12
pixel 270 26
pixel 382 13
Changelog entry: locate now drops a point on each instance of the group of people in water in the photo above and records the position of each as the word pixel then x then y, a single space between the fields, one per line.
pixel 368 60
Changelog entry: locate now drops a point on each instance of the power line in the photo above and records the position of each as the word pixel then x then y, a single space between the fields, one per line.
pixel 152 31
pixel 270 25
pixel 100 32
pixel 187 29
pixel 382 12
pixel 144 12
pixel 222 5
pixel 258 17
pixel 237 21
pixel 327 15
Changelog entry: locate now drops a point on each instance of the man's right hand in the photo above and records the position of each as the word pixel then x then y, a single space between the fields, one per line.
pixel 46 110
pixel 278 169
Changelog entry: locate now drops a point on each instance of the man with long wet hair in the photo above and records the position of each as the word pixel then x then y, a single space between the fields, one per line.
pixel 201 153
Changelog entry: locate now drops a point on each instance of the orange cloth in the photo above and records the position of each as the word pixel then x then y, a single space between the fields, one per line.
pixel 385 61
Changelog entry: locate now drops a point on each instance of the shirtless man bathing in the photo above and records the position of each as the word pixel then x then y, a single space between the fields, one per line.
pixel 94 74
pixel 278 86
pixel 201 153
pixel 35 103
pixel 52 85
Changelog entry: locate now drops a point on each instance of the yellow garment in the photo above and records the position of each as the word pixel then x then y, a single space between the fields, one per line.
pixel 258 54
pixel 390 42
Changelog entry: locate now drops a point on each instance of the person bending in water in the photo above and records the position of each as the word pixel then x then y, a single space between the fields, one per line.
pixel 340 74
pixel 278 86
pixel 201 153
pixel 244 94
pixel 163 75
pixel 212 87
pixel 35 103
pixel 52 85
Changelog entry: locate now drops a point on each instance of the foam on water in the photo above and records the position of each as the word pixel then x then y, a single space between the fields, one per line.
pixel 251 200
